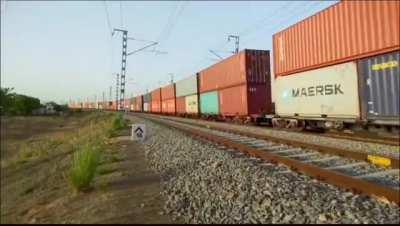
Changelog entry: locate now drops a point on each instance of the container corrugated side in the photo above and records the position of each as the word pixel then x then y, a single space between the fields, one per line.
pixel 209 103
pixel 346 31
pixel 330 92
pixel 192 104
pixel 187 86
pixel 138 103
pixel 156 94
pixel 156 106
pixel 168 106
pixel 247 66
pixel 230 71
pixel 233 101
pixel 146 107
pixel 379 81
pixel 259 99
pixel 180 105
pixel 168 92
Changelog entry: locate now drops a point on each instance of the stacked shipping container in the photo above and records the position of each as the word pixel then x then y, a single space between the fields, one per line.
pixel 187 96
pixel 346 31
pixel 138 103
pixel 147 102
pixel 156 101
pixel 244 78
pixel 168 99
pixel 340 63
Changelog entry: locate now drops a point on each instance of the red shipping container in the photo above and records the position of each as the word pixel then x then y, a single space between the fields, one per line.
pixel 168 92
pixel 346 31
pixel 180 105
pixel 168 106
pixel 251 99
pixel 248 66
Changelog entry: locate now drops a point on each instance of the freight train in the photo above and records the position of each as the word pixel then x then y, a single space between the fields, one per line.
pixel 339 68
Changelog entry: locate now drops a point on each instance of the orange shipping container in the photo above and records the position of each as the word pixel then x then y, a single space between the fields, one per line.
pixel 156 94
pixel 248 66
pixel 346 31
pixel 168 106
pixel 180 105
pixel 168 92
pixel 156 106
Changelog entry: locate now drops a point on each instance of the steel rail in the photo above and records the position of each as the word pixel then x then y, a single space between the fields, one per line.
pixel 353 184
pixel 377 160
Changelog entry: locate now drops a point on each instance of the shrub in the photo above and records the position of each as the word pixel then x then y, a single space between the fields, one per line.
pixel 84 166
pixel 117 124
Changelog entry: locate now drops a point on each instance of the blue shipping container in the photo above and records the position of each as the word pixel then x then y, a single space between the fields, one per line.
pixel 209 103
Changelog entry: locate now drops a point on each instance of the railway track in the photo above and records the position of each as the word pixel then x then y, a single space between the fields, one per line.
pixel 337 167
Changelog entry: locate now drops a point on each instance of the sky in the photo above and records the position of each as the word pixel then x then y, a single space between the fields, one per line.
pixel 63 51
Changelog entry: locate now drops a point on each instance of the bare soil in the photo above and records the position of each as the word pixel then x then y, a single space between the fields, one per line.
pixel 124 191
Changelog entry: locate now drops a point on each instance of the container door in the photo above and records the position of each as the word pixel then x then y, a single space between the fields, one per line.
pixel 381 78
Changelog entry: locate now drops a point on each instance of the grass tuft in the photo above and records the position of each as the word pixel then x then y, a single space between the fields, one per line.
pixel 84 167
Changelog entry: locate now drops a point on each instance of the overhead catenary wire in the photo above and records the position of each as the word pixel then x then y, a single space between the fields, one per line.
pixel 107 17
pixel 121 14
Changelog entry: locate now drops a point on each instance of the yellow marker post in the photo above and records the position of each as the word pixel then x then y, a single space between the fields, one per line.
pixel 381 161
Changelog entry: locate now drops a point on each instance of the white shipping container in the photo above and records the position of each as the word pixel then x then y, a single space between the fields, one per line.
pixel 326 92
pixel 187 86
pixel 191 104
pixel 146 107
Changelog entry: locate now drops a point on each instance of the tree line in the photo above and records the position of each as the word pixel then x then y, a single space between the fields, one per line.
pixel 12 103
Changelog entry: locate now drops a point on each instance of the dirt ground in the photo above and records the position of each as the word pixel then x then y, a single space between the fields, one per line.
pixel 37 191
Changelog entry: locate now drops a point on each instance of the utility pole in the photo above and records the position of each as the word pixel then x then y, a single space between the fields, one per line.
pixel 116 94
pixel 236 42
pixel 110 97
pixel 123 66
pixel 123 62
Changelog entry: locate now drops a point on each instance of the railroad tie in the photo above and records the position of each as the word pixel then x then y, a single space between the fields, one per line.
pixel 346 166
pixel 378 174
pixel 287 150
pixel 302 155
pixel 321 160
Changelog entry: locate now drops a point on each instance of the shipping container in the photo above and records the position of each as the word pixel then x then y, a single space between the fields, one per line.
pixel 344 32
pixel 248 66
pixel 168 106
pixel 180 105
pixel 132 104
pixel 187 86
pixel 147 98
pixel 250 99
pixel 329 92
pixel 156 106
pixel 168 92
pixel 192 104
pixel 146 107
pixel 127 103
pixel 139 103
pixel 156 94
pixel 379 87
pixel 209 103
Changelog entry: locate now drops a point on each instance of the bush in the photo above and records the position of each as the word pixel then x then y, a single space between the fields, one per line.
pixel 117 124
pixel 84 167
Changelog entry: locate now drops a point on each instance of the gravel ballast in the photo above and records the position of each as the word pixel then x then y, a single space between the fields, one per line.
pixel 363 147
pixel 204 183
